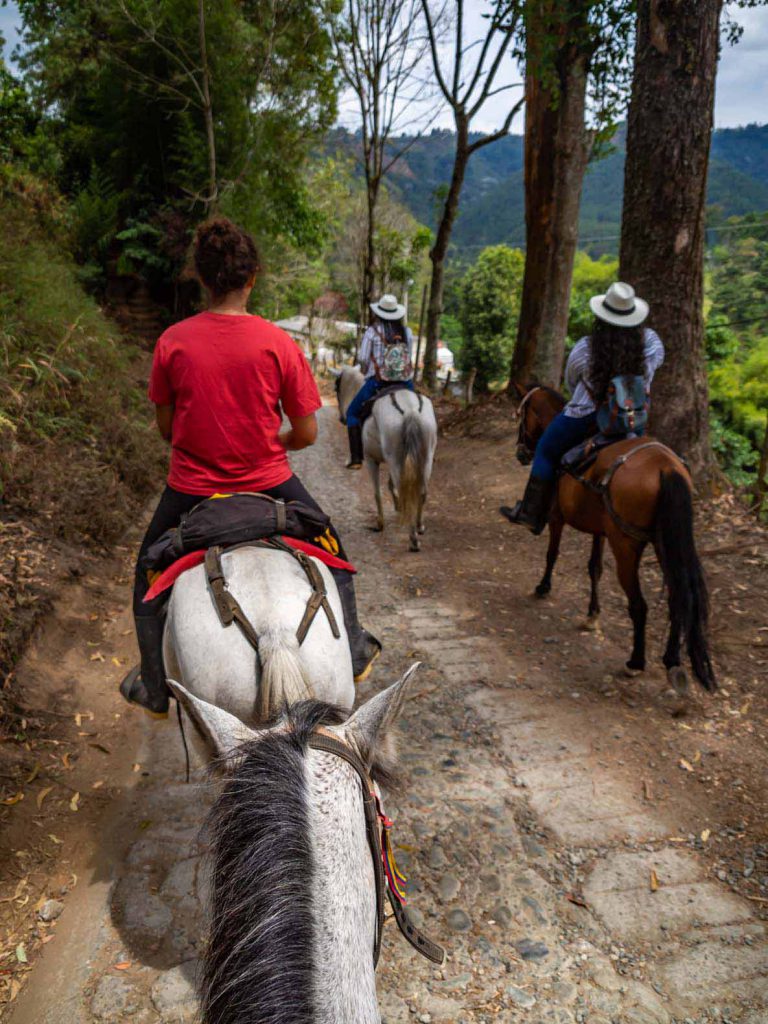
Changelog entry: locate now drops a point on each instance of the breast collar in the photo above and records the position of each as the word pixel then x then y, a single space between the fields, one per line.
pixel 376 827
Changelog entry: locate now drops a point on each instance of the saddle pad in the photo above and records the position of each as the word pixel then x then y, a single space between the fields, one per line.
pixel 169 576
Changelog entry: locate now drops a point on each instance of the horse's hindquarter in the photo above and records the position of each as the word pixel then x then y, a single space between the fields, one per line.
pixel 219 665
pixel 634 487
pixel 385 426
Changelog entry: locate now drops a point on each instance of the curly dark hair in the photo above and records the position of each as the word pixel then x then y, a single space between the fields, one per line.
pixel 225 256
pixel 614 351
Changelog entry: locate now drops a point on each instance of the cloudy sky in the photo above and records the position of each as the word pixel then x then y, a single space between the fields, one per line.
pixel 742 84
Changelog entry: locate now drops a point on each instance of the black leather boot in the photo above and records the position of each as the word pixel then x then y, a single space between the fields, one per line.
pixel 533 510
pixel 355 447
pixel 364 647
pixel 145 685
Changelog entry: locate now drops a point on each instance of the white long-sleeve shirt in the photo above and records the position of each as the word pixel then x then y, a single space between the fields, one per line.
pixel 577 370
pixel 372 347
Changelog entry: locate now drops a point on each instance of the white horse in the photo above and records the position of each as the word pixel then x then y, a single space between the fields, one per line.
pixel 219 665
pixel 401 431
pixel 293 896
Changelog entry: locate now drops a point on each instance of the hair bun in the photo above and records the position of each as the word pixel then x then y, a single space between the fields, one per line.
pixel 225 256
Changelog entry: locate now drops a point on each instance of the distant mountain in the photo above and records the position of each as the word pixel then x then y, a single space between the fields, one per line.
pixel 492 201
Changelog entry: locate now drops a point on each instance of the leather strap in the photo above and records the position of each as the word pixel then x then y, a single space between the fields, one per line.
pixel 635 532
pixel 330 744
pixel 229 609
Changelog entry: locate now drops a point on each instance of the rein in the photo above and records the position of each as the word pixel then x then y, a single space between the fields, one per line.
pixel 388 880
pixel 523 436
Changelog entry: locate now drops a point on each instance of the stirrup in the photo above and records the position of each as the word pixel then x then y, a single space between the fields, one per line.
pixel 133 690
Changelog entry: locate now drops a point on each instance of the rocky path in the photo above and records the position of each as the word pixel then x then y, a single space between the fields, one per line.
pixel 562 894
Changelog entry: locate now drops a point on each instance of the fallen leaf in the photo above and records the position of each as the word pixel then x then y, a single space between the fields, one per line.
pixel 33 774
pixel 98 784
pixel 101 747
pixel 42 795
pixel 55 839
pixel 46 938
pixel 685 764
pixel 137 767
pixel 144 825
pixel 15 989
pixel 66 762
pixel 74 802
pixel 122 966
pixel 697 757
pixel 21 954
pixel 654 881
pixel 676 839
pixel 574 897
pixel 117 662
pixel 706 833
pixel 97 656
pixel 647 790
pixel 11 800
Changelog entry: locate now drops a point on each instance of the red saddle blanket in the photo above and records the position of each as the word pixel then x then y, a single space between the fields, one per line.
pixel 169 576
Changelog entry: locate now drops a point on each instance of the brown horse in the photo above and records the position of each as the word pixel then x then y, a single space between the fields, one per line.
pixel 637 491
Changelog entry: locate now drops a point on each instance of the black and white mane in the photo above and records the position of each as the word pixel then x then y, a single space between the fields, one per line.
pixel 258 967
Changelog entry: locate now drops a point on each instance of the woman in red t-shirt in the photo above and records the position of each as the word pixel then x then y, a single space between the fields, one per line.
pixel 221 382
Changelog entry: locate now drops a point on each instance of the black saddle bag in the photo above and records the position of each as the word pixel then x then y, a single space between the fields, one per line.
pixel 234 519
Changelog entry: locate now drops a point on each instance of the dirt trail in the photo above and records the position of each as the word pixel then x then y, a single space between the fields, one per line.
pixel 575 870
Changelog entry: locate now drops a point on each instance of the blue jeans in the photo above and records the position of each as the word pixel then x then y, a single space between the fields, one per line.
pixel 366 392
pixel 562 434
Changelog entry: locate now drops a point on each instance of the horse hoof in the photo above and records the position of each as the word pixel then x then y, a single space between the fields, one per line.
pixel 631 673
pixel 422 530
pixel 591 624
pixel 677 678
pixel 542 590
pixel 414 545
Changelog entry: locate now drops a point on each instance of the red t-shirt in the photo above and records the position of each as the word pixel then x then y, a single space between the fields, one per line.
pixel 227 378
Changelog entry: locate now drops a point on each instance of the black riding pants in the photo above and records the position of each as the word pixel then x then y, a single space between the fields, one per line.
pixel 174 504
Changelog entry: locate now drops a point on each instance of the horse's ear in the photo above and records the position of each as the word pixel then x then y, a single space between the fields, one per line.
pixel 222 732
pixel 521 389
pixel 370 726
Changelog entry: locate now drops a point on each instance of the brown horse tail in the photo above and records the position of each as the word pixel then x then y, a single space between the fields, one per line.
pixel 683 574
pixel 414 453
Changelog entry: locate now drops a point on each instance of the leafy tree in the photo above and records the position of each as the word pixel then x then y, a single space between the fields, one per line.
pixel 489 309
pixel 590 277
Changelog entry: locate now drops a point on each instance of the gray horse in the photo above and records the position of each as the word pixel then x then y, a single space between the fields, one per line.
pixel 401 431
pixel 220 666
pixel 293 904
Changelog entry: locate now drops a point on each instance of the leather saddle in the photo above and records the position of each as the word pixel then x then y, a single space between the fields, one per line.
pixel 388 389
pixel 582 456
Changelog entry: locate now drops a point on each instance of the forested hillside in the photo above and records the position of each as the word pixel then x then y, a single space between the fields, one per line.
pixel 493 212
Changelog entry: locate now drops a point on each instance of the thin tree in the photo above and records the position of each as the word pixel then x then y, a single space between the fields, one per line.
pixel 378 52
pixel 576 78
pixel 467 78
pixel 665 180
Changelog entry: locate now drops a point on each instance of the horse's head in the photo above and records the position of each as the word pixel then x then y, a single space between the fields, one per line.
pixel 349 380
pixel 298 882
pixel 538 407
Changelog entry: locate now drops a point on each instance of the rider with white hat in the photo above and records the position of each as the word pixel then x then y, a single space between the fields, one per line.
pixel 385 358
pixel 617 346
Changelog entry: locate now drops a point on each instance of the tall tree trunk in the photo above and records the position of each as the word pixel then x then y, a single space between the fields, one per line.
pixel 369 267
pixel 439 251
pixel 662 231
pixel 557 149
pixel 213 187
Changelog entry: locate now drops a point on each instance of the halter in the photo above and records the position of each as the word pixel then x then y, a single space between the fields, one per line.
pixel 388 879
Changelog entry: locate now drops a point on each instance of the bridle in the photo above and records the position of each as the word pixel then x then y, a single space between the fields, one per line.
pixel 376 826
pixel 526 446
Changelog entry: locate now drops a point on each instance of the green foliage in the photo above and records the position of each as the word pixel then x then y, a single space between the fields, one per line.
pixel 590 277
pixel 75 441
pixel 489 311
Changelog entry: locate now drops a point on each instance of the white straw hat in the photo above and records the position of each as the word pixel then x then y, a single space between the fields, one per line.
pixel 620 306
pixel 388 308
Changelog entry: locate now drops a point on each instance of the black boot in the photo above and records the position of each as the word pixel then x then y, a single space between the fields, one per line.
pixel 355 447
pixel 533 510
pixel 145 685
pixel 364 647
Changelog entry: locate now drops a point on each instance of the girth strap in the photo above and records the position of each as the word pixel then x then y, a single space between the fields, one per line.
pixel 329 744
pixel 229 610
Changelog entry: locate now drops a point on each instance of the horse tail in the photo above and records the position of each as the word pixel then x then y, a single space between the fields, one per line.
pixel 413 467
pixel 683 574
pixel 282 677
